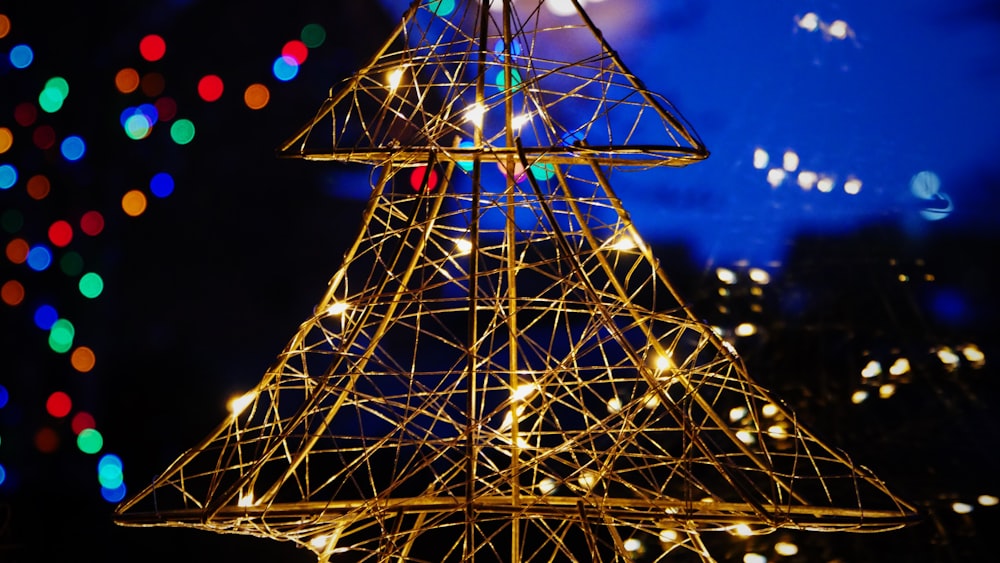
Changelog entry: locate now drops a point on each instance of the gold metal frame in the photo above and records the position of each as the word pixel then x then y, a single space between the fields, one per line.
pixel 500 370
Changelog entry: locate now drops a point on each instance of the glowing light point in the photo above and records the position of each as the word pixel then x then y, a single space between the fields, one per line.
pixel 887 390
pixel 285 68
pixel 790 162
pixel 737 414
pixel 754 558
pixel 463 247
pixel 988 500
pixel 760 276
pixel 245 500
pixel 547 485
pixel 632 545
pixel 775 177
pixel 73 148
pixel 746 329
pixel 21 56
pixel 337 308
pixel 852 186
pixel 769 410
pixel 786 549
pixel 726 275
pixel 210 87
pixel 152 47
pixel 839 29
pixel 90 441
pixel 760 159
pixel 441 7
pixel 962 507
pixel 475 114
pixel 523 392
pixel 872 369
pixel 238 404
pixel 807 179
pixel 588 480
pixel 743 530
pixel 809 22
pixel 859 396
pixel 394 78
pixel 825 184
pixel 614 405
pixel 182 131
pixel 745 436
pixel 91 285
pixel 900 367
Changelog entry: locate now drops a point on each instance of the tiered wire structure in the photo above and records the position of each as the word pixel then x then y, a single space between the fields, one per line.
pixel 500 370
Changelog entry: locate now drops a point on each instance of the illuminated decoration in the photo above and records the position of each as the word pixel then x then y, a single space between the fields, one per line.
pixel 492 375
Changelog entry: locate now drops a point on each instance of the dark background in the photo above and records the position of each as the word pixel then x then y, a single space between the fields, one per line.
pixel 205 287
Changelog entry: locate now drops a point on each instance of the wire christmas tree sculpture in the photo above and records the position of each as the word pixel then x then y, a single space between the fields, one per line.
pixel 500 370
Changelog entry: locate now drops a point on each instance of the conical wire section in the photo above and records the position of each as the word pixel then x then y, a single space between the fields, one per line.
pixel 449 64
pixel 501 372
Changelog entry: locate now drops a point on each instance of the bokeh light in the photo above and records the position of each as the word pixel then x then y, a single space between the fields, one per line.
pixel 45 316
pixel 166 107
pixel 73 148
pixel 92 223
pixel 91 285
pixel 71 264
pixel 83 359
pixel 11 221
pixel 113 495
pixel 54 94
pixel 82 421
pixel 210 88
pixel 60 233
pixel 21 56
pixel 4 396
pixel 46 440
pixel 58 405
pixel 256 96
pixel 6 139
pixel 134 203
pixel 44 137
pixel 127 80
pixel 4 25
pixel 297 50
pixel 152 47
pixel 8 176
pixel 182 131
pixel 25 114
pixel 162 184
pixel 90 441
pixel 39 258
pixel 285 68
pixel 441 7
pixel 12 293
pixel 152 84
pixel 109 471
pixel 38 187
pixel 61 336
pixel 17 250
pixel 313 35
pixel 417 179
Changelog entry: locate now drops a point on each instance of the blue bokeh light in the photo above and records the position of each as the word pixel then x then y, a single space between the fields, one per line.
pixel 45 316
pixel 285 68
pixel 8 176
pixel 162 185
pixel 39 258
pixel 21 56
pixel 73 148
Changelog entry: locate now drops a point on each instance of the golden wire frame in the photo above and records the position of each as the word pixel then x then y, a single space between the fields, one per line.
pixel 500 370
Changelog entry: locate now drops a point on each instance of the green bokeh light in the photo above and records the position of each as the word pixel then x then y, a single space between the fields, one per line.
pixel 59 85
pixel 91 285
pixel 61 336
pixel 182 131
pixel 110 475
pixel 542 171
pixel 313 35
pixel 89 441
pixel 71 264
pixel 441 7
pixel 137 127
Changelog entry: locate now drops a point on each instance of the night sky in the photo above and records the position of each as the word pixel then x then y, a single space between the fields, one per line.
pixel 853 158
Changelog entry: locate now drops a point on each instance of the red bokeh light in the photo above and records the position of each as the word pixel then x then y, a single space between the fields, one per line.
pixel 92 223
pixel 296 50
pixel 152 47
pixel 58 404
pixel 60 233
pixel 210 87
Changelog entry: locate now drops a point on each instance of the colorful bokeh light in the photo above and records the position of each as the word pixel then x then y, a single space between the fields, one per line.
pixel 6 139
pixel 182 131
pixel 313 35
pixel 210 87
pixel 152 47
pixel 73 148
pixel 127 80
pixel 38 187
pixel 21 56
pixel 58 405
pixel 12 293
pixel 83 359
pixel 60 233
pixel 256 96
pixel 8 176
pixel 285 68
pixel 82 421
pixel 91 285
pixel 134 203
pixel 90 441
pixel 71 264
pixel 161 185
pixel 45 316
pixel 39 258
pixel 17 250
pixel 61 336
pixel 92 223
pixel 297 50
